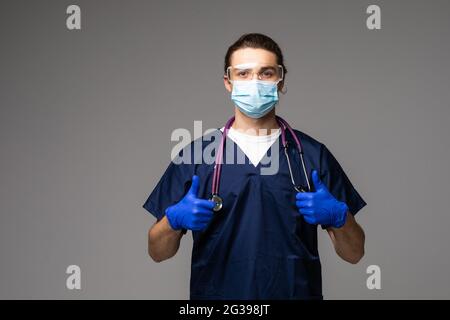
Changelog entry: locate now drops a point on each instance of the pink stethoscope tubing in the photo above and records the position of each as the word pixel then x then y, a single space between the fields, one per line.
pixel 219 157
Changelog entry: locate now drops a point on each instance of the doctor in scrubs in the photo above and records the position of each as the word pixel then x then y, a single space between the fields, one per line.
pixel 262 243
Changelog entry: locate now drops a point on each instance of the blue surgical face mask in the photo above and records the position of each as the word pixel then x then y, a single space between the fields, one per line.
pixel 255 98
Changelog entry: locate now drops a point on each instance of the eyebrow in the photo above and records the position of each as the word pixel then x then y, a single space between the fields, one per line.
pixel 245 65
pixel 260 68
pixel 267 67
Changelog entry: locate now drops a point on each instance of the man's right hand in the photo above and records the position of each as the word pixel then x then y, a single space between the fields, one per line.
pixel 191 212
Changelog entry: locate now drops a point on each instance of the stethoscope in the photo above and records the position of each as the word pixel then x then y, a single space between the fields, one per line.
pixel 218 202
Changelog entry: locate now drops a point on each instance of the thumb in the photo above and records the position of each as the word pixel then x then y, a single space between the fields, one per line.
pixel 194 186
pixel 316 180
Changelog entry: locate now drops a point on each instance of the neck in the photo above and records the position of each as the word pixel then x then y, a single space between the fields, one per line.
pixel 260 126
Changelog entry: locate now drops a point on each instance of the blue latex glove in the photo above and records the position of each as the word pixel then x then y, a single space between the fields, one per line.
pixel 321 207
pixel 190 212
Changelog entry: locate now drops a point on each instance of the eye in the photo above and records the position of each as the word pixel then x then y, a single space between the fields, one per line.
pixel 268 74
pixel 242 73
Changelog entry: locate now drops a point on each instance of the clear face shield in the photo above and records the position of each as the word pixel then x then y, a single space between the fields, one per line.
pixel 247 72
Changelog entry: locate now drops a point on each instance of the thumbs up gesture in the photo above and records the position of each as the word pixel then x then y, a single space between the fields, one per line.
pixel 191 212
pixel 321 207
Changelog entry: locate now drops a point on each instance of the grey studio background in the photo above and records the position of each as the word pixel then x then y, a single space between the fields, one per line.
pixel 86 118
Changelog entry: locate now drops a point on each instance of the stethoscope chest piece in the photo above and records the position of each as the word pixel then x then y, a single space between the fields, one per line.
pixel 217 202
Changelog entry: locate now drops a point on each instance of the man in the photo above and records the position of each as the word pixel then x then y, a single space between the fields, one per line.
pixel 262 244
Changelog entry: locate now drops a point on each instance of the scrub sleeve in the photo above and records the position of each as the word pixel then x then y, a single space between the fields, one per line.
pixel 171 188
pixel 337 182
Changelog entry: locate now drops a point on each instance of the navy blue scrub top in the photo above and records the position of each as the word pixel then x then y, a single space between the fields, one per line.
pixel 258 246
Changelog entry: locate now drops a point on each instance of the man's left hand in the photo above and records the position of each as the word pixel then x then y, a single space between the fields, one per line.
pixel 321 207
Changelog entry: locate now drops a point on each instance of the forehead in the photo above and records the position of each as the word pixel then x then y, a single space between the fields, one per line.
pixel 252 55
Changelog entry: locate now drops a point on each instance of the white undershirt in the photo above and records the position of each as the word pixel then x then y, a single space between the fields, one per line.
pixel 254 146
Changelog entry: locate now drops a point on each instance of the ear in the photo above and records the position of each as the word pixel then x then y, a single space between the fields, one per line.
pixel 227 84
pixel 281 86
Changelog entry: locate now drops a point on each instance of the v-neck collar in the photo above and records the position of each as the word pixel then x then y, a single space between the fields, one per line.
pixel 247 160
pixel 269 138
